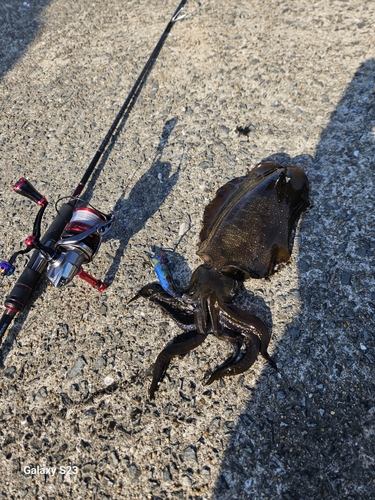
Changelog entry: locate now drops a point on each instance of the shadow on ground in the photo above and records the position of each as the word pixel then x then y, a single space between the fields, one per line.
pixel 310 433
pixel 19 25
pixel 145 198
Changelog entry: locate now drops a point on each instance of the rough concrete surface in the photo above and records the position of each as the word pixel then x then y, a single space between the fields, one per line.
pixel 76 365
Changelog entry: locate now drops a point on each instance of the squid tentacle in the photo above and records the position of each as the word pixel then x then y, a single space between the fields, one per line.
pixel 238 363
pixel 247 323
pixel 175 307
pixel 182 344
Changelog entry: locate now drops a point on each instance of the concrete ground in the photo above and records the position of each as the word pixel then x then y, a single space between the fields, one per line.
pixel 76 365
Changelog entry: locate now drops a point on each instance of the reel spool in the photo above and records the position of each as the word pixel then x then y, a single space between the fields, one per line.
pixel 78 245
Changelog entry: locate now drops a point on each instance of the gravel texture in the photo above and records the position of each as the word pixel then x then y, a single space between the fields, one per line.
pixel 76 365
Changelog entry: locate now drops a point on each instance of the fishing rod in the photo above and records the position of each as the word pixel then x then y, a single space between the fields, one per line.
pixel 74 237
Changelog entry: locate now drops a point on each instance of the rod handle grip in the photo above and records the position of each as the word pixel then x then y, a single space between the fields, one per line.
pixel 21 291
pixel 20 294
pixel 58 224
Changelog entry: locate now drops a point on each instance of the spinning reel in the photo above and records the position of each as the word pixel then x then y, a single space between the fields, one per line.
pixel 78 244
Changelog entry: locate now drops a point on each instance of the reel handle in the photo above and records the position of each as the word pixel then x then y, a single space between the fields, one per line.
pixel 91 280
pixel 25 188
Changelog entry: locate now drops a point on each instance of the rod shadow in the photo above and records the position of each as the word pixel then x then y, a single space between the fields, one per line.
pixel 309 434
pixel 144 199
